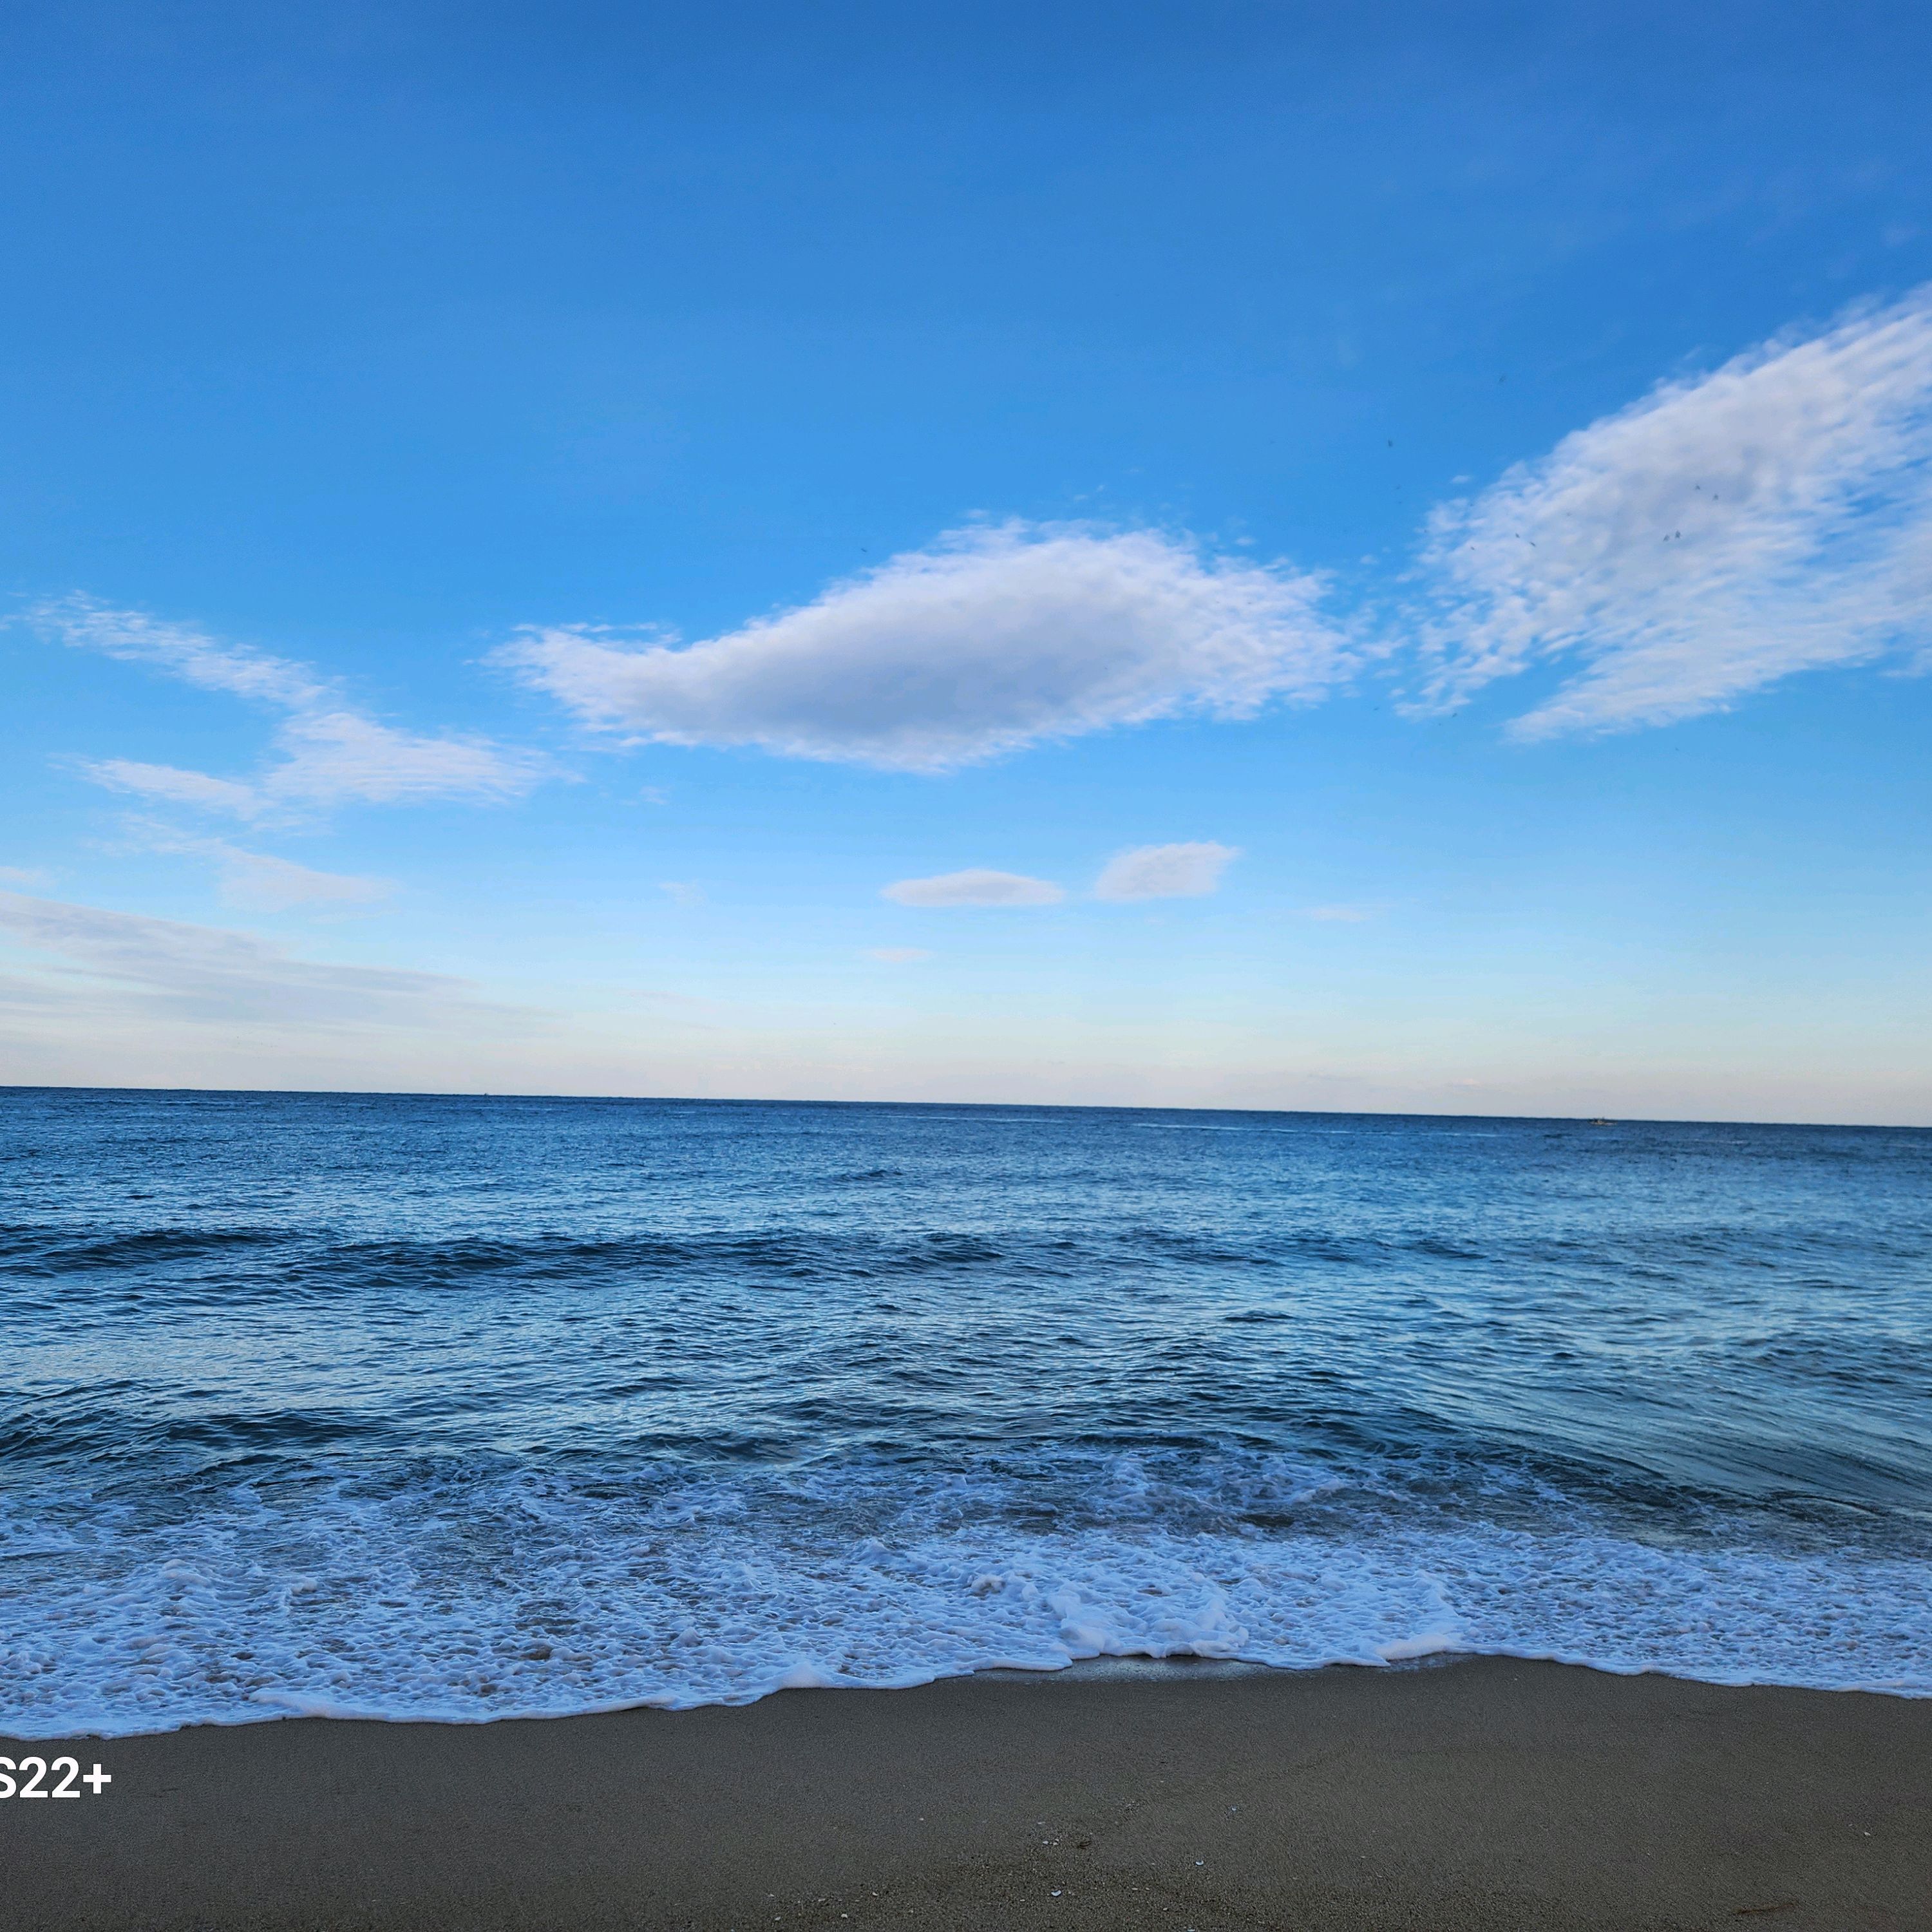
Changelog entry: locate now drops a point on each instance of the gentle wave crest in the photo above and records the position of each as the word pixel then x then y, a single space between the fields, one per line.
pixel 467 1596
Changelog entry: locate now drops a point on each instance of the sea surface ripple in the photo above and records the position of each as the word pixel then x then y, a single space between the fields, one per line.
pixel 460 1408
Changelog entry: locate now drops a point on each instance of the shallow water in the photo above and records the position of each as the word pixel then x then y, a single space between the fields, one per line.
pixel 460 1407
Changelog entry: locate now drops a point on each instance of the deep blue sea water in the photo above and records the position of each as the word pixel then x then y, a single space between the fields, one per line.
pixel 461 1408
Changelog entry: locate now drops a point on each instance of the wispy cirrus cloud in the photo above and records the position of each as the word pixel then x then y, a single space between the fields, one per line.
pixel 126 965
pixel 169 784
pixel 333 757
pixel 976 886
pixel 1727 531
pixel 329 754
pixel 136 637
pixel 990 640
pixel 261 881
pixel 1166 872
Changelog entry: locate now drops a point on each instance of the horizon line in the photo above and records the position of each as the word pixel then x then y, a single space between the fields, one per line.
pixel 10 1087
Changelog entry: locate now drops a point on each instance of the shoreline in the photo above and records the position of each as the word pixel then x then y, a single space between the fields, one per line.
pixel 1456 1792
pixel 1126 1665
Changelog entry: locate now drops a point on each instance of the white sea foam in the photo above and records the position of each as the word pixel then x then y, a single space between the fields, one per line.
pixel 470 1601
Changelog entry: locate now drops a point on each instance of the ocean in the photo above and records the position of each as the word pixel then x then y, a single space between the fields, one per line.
pixel 468 1407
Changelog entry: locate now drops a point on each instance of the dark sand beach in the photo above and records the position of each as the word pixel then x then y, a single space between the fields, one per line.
pixel 1475 1793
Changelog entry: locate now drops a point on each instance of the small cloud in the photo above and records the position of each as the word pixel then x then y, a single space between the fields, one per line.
pixel 654 795
pixel 262 881
pixel 84 624
pixel 1343 915
pixel 1166 872
pixel 20 875
pixel 173 786
pixel 976 887
pixel 338 757
pixel 897 955
pixel 276 885
pixel 682 891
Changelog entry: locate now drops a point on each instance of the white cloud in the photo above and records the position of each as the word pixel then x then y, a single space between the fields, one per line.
pixel 83 623
pixel 115 962
pixel 337 756
pixel 173 786
pixel 990 640
pixel 898 955
pixel 1341 915
pixel 21 875
pixel 330 753
pixel 976 887
pixel 1725 532
pixel 259 880
pixel 682 891
pixel 1166 872
pixel 1771 517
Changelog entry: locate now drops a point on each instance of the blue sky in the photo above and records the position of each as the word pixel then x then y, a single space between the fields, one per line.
pixel 1242 555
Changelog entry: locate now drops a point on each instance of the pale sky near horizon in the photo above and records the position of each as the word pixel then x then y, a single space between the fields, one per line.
pixel 1224 555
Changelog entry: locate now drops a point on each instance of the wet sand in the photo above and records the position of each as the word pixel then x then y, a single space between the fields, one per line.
pixel 1477 1793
